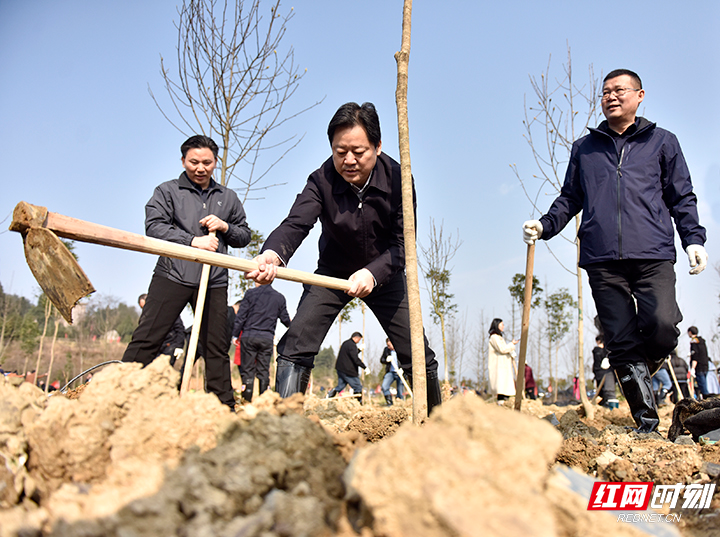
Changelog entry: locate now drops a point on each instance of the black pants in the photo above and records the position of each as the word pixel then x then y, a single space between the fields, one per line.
pixel 255 355
pixel 164 303
pixel 608 388
pixel 319 307
pixel 636 333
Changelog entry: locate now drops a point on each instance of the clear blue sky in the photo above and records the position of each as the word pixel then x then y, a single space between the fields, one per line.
pixel 82 136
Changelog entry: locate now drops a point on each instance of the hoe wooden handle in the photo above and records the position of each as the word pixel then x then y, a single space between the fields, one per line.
pixel 28 216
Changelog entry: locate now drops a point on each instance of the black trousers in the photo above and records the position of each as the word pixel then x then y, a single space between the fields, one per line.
pixel 255 356
pixel 635 301
pixel 164 303
pixel 319 307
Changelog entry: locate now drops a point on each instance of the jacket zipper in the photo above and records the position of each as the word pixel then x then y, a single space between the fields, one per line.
pixel 619 208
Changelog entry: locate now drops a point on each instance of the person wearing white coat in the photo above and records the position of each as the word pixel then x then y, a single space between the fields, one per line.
pixel 501 362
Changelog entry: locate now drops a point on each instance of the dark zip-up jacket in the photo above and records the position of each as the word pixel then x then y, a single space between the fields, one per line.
pixel 356 233
pixel 348 359
pixel 259 312
pixel 628 198
pixel 173 214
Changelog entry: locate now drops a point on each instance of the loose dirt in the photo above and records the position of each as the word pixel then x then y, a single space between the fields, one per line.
pixel 126 456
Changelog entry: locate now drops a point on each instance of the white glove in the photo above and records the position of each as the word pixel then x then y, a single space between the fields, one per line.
pixel 532 230
pixel 698 258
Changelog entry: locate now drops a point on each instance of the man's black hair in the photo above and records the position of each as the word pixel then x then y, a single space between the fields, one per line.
pixel 199 141
pixel 693 330
pixel 620 72
pixel 351 114
pixel 599 339
pixel 356 334
pixel 495 327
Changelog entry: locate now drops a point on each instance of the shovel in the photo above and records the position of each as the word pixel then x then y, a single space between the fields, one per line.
pixel 65 283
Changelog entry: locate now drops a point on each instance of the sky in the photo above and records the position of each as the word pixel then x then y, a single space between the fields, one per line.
pixel 82 136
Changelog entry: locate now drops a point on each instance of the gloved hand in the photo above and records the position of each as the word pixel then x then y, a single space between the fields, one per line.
pixel 532 230
pixel 698 258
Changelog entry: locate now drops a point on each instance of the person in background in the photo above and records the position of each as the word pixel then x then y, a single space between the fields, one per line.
pixel 347 364
pixel 501 365
pixel 630 180
pixel 389 360
pixel 698 361
pixel 256 320
pixel 174 342
pixel 682 374
pixel 603 370
pixel 530 385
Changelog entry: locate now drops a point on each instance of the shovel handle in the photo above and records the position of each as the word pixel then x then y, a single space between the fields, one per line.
pixel 26 216
pixel 527 303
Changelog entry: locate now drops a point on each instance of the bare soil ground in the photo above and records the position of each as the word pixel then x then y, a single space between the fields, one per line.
pixel 125 456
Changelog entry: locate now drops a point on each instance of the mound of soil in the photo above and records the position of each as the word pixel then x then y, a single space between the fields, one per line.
pixel 128 457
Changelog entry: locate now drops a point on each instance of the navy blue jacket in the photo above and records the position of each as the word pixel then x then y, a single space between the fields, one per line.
pixel 356 233
pixel 173 214
pixel 628 199
pixel 259 311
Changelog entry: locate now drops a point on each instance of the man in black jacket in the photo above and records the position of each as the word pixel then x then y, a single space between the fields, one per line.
pixel 347 364
pixel 357 196
pixel 389 360
pixel 185 210
pixel 257 317
pixel 699 360
pixel 602 370
pixel 630 180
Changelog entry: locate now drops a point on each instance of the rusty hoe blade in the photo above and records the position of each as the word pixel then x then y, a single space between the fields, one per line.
pixel 52 264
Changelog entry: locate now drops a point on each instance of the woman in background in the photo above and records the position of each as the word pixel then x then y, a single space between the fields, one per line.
pixel 501 362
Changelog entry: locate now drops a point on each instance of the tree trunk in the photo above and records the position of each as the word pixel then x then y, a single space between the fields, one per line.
pixel 589 410
pixel 402 58
pixel 445 353
pixel 48 310
pixel 52 355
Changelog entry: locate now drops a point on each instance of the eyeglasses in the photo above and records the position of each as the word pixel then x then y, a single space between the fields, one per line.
pixel 619 92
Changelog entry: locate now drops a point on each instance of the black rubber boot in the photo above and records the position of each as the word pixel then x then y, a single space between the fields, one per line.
pixel 247 394
pixel 331 393
pixel 388 400
pixel 291 378
pixel 636 385
pixel 434 395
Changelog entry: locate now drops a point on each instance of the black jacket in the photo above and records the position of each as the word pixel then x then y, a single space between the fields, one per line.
pixel 348 359
pixel 628 199
pixel 259 312
pixel 385 359
pixel 598 354
pixel 356 233
pixel 173 214
pixel 699 354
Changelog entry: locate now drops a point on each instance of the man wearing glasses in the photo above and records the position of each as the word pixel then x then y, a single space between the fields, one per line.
pixel 630 180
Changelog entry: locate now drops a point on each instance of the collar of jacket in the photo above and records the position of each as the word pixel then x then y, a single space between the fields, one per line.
pixel 379 177
pixel 642 126
pixel 184 182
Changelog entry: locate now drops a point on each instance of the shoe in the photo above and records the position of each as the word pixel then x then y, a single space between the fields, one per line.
pixel 290 378
pixel 331 393
pixel 388 400
pixel 636 385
